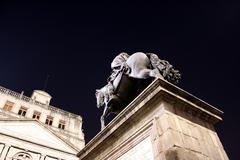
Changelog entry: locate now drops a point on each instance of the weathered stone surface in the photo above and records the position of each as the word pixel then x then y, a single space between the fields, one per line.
pixel 178 125
pixel 180 154
pixel 142 151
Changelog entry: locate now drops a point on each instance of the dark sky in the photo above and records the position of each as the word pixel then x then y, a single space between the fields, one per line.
pixel 75 43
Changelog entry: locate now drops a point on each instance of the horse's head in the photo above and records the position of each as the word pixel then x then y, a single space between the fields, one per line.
pixel 100 98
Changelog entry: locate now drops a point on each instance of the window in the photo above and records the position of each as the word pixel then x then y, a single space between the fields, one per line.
pixel 49 120
pixel 22 156
pixel 22 111
pixel 61 124
pixel 36 115
pixel 8 106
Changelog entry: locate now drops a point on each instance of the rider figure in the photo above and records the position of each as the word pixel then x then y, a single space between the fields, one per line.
pixel 119 65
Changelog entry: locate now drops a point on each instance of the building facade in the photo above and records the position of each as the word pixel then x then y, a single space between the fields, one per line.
pixel 32 129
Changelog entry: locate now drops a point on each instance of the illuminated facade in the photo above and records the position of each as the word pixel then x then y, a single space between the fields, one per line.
pixel 32 129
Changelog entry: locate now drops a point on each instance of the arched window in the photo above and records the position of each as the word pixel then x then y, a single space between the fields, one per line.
pixel 22 156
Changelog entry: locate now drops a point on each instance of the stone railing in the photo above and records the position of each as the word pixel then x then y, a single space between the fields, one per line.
pixel 52 108
pixel 9 92
pixel 30 100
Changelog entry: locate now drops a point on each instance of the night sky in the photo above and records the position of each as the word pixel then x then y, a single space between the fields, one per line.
pixel 74 43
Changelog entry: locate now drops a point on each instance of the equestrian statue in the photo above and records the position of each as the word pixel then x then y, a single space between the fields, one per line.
pixel 131 74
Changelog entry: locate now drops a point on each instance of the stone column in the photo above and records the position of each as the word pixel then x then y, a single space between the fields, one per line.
pixel 5 151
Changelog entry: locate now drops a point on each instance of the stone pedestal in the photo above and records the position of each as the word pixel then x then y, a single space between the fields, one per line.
pixel 163 123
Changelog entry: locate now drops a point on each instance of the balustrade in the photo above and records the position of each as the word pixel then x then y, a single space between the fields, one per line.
pixel 28 99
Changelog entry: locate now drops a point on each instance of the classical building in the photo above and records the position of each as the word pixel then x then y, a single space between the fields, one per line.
pixel 32 129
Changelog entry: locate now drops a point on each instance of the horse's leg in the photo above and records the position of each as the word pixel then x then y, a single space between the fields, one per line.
pixel 102 122
pixel 105 113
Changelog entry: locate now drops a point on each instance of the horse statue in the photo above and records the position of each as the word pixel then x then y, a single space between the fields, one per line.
pixel 130 75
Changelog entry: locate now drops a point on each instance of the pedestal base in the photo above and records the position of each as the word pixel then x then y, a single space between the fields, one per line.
pixel 162 123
